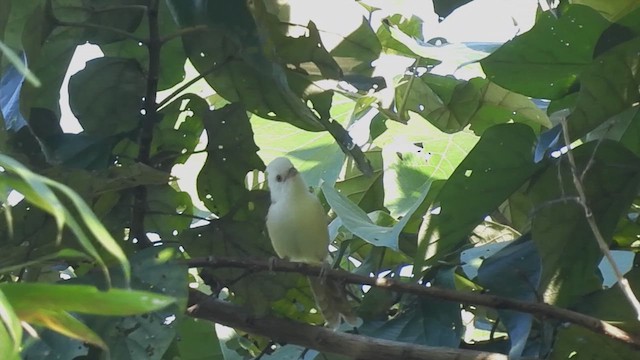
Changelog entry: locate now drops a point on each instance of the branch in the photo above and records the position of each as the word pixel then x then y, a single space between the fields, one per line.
pixel 496 302
pixel 182 32
pixel 623 283
pixel 201 75
pixel 100 27
pixel 321 338
pixel 148 122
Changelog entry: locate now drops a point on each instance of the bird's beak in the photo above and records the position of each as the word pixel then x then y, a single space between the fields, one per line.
pixel 291 173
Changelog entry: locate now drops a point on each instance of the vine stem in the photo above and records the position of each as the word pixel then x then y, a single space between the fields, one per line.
pixel 623 283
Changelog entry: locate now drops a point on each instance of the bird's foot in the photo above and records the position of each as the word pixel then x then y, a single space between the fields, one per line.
pixel 324 269
pixel 272 263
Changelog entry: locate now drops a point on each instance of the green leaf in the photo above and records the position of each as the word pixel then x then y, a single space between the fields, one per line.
pixel 611 10
pixel 61 254
pixel 231 155
pixel 105 95
pixel 499 164
pixel 26 299
pixel 514 272
pixel 607 88
pixel 427 321
pixel 359 223
pixel 197 340
pixel 451 105
pixel 63 323
pixel 10 329
pixel 559 226
pixel 546 61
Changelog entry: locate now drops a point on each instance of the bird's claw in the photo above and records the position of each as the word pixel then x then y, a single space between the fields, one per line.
pixel 272 263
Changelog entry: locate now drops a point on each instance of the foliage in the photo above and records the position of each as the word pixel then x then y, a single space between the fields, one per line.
pixel 449 180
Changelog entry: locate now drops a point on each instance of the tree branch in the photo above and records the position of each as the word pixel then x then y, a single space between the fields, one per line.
pixel 623 283
pixel 149 120
pixel 496 302
pixel 321 338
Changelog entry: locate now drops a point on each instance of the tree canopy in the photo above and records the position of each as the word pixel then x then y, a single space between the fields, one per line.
pixel 482 197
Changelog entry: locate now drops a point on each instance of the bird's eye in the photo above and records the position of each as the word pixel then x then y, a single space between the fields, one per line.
pixel 278 178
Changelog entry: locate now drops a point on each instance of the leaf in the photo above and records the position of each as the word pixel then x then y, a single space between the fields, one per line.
pixel 546 61
pixel 105 95
pixel 61 254
pixel 611 10
pixel 63 323
pixel 451 105
pixel 231 155
pixel 315 154
pixel 357 221
pixel 415 152
pixel 607 88
pixel 428 321
pixel 26 299
pixel 514 272
pixel 10 330
pixel 197 340
pixel 559 226
pixel 499 164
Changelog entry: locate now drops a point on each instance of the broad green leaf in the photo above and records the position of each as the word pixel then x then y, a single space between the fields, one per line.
pixel 514 272
pixel 315 154
pixel 63 323
pixel 172 54
pixel 546 61
pixel 105 95
pixel 575 342
pixel 169 211
pixel 197 340
pixel 499 164
pixel 427 321
pixel 178 134
pixel 26 299
pixel 608 87
pixel 612 10
pixel 231 154
pixel 452 105
pixel 365 191
pixel 623 127
pixel 559 226
pixel 414 153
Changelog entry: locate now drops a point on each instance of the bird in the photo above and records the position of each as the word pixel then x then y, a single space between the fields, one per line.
pixel 297 226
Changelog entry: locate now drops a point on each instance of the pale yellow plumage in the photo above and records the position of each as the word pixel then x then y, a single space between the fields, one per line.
pixel 297 226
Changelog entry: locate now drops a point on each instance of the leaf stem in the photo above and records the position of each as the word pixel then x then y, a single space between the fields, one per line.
pixel 623 283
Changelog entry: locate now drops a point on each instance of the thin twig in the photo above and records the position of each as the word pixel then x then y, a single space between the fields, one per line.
pixel 182 32
pixel 622 281
pixel 468 298
pixel 200 76
pixel 100 27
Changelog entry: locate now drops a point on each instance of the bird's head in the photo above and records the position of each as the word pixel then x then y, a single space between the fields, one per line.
pixel 283 178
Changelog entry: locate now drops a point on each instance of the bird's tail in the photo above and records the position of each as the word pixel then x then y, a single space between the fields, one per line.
pixel 331 299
